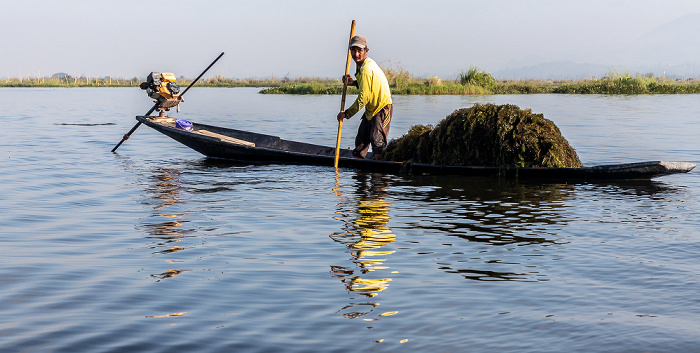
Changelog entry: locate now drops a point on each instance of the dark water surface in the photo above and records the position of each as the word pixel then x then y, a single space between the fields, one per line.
pixel 157 249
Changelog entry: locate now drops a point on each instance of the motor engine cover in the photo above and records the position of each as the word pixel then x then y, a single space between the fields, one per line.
pixel 163 88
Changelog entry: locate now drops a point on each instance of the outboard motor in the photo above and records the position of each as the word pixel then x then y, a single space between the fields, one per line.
pixel 162 88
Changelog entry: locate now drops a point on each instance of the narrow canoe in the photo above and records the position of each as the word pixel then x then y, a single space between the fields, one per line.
pixel 218 142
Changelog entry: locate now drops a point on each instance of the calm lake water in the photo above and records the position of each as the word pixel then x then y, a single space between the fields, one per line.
pixel 157 249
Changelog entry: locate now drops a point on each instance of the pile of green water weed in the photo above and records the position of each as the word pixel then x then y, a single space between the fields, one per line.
pixel 486 135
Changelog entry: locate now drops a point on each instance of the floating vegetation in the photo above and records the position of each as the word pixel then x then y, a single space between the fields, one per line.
pixel 616 83
pixel 475 81
pixel 305 88
pixel 486 135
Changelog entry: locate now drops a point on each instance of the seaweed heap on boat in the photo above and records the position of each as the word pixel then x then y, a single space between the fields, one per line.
pixel 486 135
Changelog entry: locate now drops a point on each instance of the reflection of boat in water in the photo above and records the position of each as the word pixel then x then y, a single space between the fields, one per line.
pixel 365 236
pixel 166 230
pixel 219 142
pixel 491 229
pixel 513 230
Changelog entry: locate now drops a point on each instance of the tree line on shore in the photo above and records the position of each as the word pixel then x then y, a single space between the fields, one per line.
pixel 469 82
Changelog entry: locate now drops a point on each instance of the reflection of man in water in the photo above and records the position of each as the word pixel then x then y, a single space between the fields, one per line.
pixel 373 210
pixel 371 228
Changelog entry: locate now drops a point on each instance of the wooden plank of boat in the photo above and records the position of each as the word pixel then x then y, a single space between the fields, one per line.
pixel 220 142
pixel 170 122
pixel 224 138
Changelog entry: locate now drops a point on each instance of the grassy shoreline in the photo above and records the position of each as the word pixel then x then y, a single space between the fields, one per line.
pixel 471 82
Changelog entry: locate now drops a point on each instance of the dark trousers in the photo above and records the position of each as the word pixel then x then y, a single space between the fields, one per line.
pixel 373 133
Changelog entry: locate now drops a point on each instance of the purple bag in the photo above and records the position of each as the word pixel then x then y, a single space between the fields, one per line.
pixel 183 124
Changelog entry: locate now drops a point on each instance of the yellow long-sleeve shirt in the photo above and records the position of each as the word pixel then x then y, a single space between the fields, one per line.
pixel 374 90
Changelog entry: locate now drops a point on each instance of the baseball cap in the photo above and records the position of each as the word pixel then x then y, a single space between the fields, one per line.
pixel 358 41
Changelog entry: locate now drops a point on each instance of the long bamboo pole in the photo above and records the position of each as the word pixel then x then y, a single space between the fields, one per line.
pixel 155 106
pixel 342 100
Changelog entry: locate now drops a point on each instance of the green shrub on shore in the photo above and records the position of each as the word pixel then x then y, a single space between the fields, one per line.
pixel 616 83
pixel 398 77
pixel 433 81
pixel 477 77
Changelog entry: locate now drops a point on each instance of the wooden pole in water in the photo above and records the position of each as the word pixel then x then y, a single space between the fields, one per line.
pixel 342 100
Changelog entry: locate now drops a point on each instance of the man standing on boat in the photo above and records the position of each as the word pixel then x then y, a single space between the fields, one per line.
pixel 375 96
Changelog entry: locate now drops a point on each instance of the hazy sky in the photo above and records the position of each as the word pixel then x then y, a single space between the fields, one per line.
pixel 298 38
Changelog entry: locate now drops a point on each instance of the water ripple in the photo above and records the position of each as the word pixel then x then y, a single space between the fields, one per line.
pixel 157 249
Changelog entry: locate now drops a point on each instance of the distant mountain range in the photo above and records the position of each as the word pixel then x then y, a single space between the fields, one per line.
pixel 671 50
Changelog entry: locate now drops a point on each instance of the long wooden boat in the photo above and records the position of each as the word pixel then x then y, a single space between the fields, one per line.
pixel 218 142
